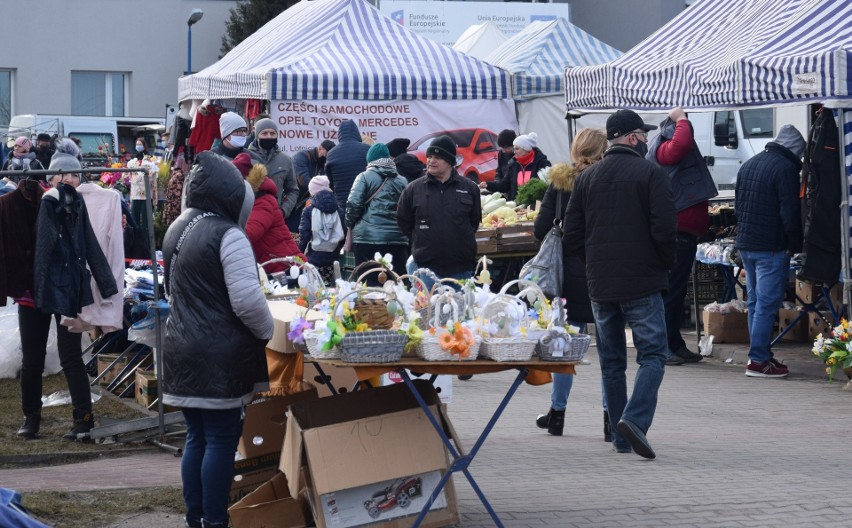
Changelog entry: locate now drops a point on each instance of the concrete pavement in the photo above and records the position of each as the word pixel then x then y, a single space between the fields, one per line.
pixel 732 451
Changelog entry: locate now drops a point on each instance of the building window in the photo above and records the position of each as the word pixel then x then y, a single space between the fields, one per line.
pixel 98 93
pixel 5 97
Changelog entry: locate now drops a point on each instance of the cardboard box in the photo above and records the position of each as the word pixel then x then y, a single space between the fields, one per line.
pixel 265 422
pixel 798 333
pixel 269 505
pixel 726 328
pixel 443 383
pixel 369 456
pixel 807 292
pixel 146 387
pixel 341 378
pixel 104 361
pixel 283 312
pixel 250 473
pixel 817 324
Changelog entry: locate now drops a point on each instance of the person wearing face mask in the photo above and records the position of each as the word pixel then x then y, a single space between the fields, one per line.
pixel 621 222
pixel 279 166
pixel 162 144
pixel 234 130
pixel 44 149
pixel 23 159
pixel 138 193
pixel 522 168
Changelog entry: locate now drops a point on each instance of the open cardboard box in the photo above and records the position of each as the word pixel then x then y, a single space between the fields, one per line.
pixel 265 422
pixel 269 505
pixel 369 457
pixel 284 312
pixel 727 327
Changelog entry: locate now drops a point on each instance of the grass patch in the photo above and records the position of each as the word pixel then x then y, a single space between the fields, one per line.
pixel 101 508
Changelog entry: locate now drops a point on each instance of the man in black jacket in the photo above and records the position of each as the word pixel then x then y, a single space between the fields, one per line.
pixel 768 227
pixel 621 221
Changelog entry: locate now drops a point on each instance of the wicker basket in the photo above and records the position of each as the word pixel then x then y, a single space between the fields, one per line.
pixel 374 312
pixel 311 338
pixel 417 285
pixel 315 285
pixel 563 347
pixel 430 347
pixel 373 346
pixel 504 347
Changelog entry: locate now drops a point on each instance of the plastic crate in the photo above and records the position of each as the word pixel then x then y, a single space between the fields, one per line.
pixel 708 292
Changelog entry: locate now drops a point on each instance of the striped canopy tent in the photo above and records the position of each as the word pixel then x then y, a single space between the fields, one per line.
pixel 536 58
pixel 343 49
pixel 725 54
pixel 480 39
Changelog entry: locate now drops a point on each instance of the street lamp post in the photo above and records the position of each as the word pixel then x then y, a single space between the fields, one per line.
pixel 194 17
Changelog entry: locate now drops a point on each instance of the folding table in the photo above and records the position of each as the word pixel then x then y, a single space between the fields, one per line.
pixel 460 461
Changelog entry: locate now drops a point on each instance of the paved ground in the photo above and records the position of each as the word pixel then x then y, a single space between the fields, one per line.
pixel 731 451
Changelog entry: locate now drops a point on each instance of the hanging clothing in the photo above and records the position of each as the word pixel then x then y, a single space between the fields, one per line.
pixel 105 217
pixel 18 215
pixel 65 252
pixel 205 130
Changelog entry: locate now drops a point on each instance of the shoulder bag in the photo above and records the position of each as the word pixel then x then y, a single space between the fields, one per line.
pixel 545 268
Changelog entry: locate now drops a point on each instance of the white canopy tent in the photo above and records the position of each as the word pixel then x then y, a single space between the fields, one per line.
pixel 480 39
pixel 536 57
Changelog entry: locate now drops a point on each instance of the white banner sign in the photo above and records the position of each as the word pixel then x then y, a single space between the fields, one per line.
pixel 473 125
pixel 444 22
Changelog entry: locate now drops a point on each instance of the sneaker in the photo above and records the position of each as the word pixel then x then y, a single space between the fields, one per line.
pixel 687 355
pixel 778 363
pixel 767 369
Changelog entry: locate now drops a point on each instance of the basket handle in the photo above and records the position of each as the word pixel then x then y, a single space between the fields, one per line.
pixel 374 267
pixel 335 312
pixel 434 316
pixel 523 286
pixel 441 282
pixel 413 279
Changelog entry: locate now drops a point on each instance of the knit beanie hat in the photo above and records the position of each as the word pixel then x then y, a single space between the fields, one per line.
pixel 506 137
pixel 43 137
pixel 444 148
pixel 327 144
pixel 377 151
pixel 526 141
pixel 790 137
pixel 64 162
pixel 398 146
pixel 264 124
pixel 243 163
pixel 318 184
pixel 230 121
pixel 24 142
pixel 68 146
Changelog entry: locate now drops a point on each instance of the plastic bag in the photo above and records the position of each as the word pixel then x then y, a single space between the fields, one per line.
pixel 10 342
pixel 144 330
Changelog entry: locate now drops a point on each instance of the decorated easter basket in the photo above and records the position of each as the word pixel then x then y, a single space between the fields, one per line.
pixel 373 311
pixel 313 282
pixel 445 344
pixel 503 311
pixel 371 346
pixel 421 305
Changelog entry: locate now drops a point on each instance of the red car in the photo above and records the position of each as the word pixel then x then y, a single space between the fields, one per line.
pixel 476 151
pixel 397 494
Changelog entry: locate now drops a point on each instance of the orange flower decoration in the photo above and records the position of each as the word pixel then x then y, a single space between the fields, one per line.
pixel 446 340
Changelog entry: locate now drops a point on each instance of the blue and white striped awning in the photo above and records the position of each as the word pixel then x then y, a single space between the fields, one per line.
pixel 343 49
pixel 537 56
pixel 728 53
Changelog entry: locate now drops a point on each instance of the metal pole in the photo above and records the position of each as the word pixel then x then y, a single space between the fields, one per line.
pixel 158 327
pixel 189 49
pixel 844 209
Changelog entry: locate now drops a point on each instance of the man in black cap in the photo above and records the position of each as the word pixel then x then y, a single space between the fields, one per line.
pixel 44 149
pixel 621 222
pixel 505 140
pixel 307 164
pixel 440 214
pixel 407 165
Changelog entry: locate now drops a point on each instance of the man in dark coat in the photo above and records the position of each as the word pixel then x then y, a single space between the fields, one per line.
pixel 306 165
pixel 769 229
pixel 621 221
pixel 345 161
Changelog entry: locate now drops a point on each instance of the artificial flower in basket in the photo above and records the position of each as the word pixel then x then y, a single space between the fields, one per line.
pixel 836 349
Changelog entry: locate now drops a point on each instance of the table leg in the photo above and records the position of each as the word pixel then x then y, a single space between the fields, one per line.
pixel 325 378
pixel 460 461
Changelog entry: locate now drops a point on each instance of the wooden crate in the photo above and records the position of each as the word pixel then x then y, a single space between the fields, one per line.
pixel 509 239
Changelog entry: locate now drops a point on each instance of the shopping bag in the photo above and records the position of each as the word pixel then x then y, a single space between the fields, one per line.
pixel 545 269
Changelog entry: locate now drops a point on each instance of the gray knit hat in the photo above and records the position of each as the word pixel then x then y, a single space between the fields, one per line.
pixel 230 121
pixel 265 124
pixel 64 162
pixel 790 137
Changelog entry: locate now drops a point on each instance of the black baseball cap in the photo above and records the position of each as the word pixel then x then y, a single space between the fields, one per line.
pixel 623 122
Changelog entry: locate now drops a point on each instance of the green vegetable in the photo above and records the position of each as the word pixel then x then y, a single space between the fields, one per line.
pixel 531 191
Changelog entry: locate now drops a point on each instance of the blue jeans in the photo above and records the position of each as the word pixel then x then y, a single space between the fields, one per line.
pixel 678 278
pixel 647 319
pixel 562 383
pixel 766 278
pixel 207 466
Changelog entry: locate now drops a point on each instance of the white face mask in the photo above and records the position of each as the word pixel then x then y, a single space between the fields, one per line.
pixel 139 148
pixel 237 141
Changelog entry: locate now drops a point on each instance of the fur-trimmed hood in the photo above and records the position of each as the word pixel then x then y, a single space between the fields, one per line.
pixel 562 176
pixel 256 176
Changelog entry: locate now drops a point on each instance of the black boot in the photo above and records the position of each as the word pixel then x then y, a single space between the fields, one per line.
pixel 83 424
pixel 192 524
pixel 207 524
pixel 543 420
pixel 29 430
pixel 557 422
pixel 607 428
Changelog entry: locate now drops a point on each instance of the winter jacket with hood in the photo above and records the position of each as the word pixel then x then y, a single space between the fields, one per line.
pixel 767 201
pixel 279 167
pixel 65 246
pixel 18 216
pixel 375 222
pixel 621 222
pixel 574 287
pixel 509 185
pixel 269 236
pixel 326 203
pixel 25 163
pixel 346 160
pixel 219 323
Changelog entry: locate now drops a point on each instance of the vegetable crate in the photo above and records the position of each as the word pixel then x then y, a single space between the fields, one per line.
pixel 508 239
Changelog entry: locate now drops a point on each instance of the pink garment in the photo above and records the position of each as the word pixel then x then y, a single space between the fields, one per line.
pixel 104 206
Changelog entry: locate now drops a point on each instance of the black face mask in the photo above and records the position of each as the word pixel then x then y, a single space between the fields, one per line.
pixel 267 143
pixel 641 148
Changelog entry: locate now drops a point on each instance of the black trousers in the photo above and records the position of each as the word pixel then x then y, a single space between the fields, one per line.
pixel 34 327
pixel 678 281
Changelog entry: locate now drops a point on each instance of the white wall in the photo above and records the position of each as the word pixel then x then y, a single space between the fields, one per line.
pixel 45 40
